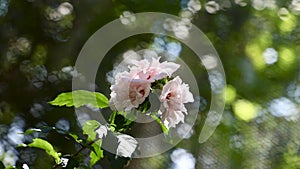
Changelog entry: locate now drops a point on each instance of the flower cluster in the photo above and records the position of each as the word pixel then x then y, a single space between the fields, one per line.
pixel 132 87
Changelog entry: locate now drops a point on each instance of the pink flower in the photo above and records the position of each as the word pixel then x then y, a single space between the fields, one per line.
pixel 174 95
pixel 128 91
pixel 133 87
pixel 154 70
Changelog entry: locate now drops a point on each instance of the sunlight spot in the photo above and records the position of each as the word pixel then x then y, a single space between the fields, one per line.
pixel 262 4
pixel 53 14
pixel 245 110
pixel 295 7
pixel 287 58
pixel 10 158
pixel 181 30
pixel 212 7
pixel 185 13
pixel 284 107
pixel 169 24
pixel 148 54
pixel 65 8
pixel 283 13
pixel 21 46
pixel 288 24
pixel 270 56
pixel 4 7
pixel 174 49
pixel 159 44
pixel 170 49
pixel 127 18
pixel 230 94
pixel 194 6
pixel 1 148
pixel 241 3
pixel 71 71
pixel 62 124
pixel 217 82
pixel 13 135
pixel 209 61
pixel 182 159
pixel 255 52
pixel 258 4
pixel 129 57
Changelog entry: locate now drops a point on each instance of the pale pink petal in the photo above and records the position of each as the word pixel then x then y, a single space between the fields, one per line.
pixel 173 96
pixel 186 94
pixel 154 70
pixel 171 118
pixel 127 92
pixel 169 67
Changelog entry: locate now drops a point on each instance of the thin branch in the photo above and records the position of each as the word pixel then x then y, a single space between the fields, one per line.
pixel 77 152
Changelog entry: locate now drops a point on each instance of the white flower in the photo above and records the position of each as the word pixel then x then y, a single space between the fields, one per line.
pixel 174 95
pixel 154 70
pixel 128 92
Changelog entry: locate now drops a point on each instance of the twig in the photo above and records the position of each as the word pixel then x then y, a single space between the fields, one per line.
pixel 77 152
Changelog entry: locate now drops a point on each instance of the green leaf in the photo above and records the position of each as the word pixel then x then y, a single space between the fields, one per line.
pixel 45 145
pixel 44 129
pixel 89 128
pixel 163 127
pixel 80 98
pixel 29 131
pixel 97 153
pixel 119 121
pixel 10 167
pixel 75 137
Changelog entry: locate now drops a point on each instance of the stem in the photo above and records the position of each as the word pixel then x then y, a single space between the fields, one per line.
pixel 163 127
pixel 83 148
pixel 77 152
pixel 112 118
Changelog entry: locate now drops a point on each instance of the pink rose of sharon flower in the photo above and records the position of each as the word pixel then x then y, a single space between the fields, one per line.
pixel 132 88
pixel 154 70
pixel 174 95
pixel 128 92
